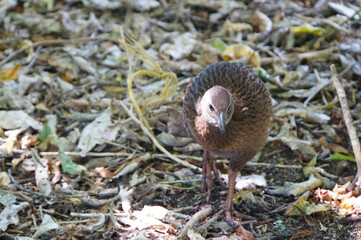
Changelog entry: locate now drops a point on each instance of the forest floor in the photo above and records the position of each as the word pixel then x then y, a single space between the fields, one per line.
pixel 92 141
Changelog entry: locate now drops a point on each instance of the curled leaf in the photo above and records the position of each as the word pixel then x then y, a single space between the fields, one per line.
pixel 237 27
pixel 219 44
pixel 237 51
pixel 307 28
pixel 341 157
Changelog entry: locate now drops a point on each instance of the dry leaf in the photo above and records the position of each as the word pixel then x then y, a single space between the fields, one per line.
pixel 237 51
pixel 9 74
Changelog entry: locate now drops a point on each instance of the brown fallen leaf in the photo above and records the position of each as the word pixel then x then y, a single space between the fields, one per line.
pixel 306 233
pixel 334 147
pixel 105 173
pixel 244 234
pixel 9 74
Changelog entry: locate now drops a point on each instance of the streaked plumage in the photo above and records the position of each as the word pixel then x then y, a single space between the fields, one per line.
pixel 247 128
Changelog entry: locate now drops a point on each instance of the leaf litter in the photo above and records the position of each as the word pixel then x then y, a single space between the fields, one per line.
pixel 96 88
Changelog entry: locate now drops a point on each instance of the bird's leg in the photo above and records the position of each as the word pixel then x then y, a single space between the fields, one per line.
pixel 234 166
pixel 207 173
pixel 232 174
pixel 216 174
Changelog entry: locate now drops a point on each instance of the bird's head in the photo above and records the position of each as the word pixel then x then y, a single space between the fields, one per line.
pixel 217 107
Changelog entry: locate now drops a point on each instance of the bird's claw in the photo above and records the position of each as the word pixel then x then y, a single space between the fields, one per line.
pixel 229 218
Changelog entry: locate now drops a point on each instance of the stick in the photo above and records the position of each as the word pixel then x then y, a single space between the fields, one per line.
pixel 196 217
pixel 292 57
pixel 253 164
pixel 349 125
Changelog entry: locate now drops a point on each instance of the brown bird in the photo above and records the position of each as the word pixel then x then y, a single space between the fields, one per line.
pixel 227 110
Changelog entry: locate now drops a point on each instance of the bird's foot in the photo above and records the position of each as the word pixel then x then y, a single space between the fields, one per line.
pixel 238 228
pixel 244 217
pixel 240 216
pixel 229 217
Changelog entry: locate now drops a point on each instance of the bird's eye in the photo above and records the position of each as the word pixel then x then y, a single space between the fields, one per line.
pixel 229 108
pixel 211 108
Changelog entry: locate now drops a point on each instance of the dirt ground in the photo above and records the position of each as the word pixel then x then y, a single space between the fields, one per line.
pixel 267 208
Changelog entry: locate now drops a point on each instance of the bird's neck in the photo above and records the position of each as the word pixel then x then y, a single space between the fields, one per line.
pixel 202 126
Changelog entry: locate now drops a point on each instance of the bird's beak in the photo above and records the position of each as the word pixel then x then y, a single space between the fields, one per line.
pixel 222 124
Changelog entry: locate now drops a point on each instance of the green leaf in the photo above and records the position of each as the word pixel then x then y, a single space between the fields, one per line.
pixel 45 132
pixel 218 43
pixel 313 161
pixel 67 165
pixel 341 157
pixel 262 73
pixel 298 208
pixel 310 167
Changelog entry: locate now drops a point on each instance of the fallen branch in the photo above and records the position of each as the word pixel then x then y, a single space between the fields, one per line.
pixel 355 142
pixel 192 222
pixel 94 226
pixel 253 164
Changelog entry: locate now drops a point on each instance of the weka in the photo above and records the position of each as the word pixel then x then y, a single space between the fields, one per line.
pixel 227 110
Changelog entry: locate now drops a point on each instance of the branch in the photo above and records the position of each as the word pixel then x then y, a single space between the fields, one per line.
pixel 192 222
pixel 355 142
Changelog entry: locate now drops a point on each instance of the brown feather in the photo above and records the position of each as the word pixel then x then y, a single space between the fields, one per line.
pixel 247 129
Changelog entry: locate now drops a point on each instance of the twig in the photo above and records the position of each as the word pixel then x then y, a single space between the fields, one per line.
pixel 27 153
pixel 248 164
pixel 114 221
pixel 196 217
pixel 95 226
pixel 320 85
pixel 204 228
pixel 157 155
pixel 36 157
pixel 23 196
pixel 346 69
pixel 155 141
pixel 348 122
pixel 32 62
pixel 21 187
pixel 24 225
pixel 73 222
pixel 55 42
pixel 273 165
pixel 325 21
pixel 322 54
pixel 89 154
pixel 350 17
